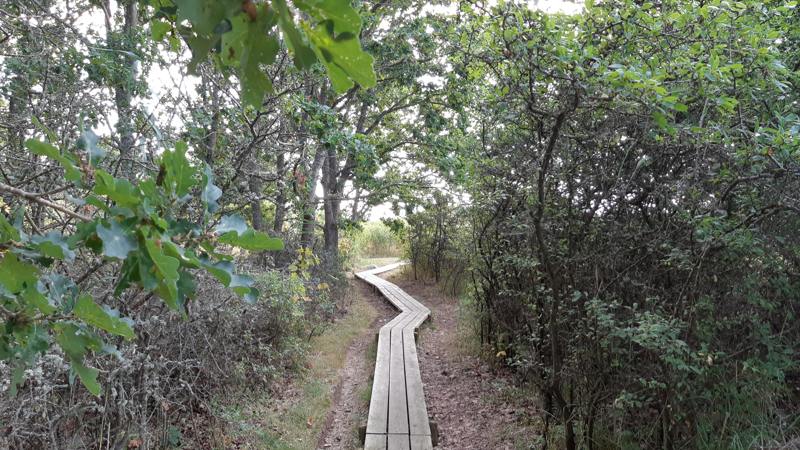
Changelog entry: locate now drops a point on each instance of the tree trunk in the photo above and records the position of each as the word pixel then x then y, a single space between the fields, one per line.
pixel 332 201
pixel 123 87
pixel 255 203
pixel 210 140
pixel 310 204
pixel 280 197
pixel 18 109
pixel 355 216
pixel 569 429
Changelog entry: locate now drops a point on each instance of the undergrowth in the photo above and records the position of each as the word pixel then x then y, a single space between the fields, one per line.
pixel 292 415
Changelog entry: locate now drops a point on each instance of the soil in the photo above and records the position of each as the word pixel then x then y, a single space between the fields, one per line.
pixel 349 411
pixel 461 390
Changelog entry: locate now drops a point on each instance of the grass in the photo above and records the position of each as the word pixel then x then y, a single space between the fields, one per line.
pixel 259 421
pixel 361 263
pixel 365 393
pixel 376 239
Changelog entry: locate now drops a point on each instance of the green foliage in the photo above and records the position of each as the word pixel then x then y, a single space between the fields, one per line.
pixel 113 220
pixel 342 56
pixel 375 239
pixel 326 126
pixel 107 320
pixel 117 242
pixel 435 243
pixel 67 162
pixel 632 177
pixel 242 36
pixel 234 231
pixel 140 225
pixel 159 230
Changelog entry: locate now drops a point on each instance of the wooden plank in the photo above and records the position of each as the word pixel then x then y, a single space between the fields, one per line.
pixel 399 302
pixel 378 417
pixel 421 442
pixel 415 305
pixel 399 442
pixel 400 318
pixel 402 292
pixel 421 318
pixel 375 442
pixel 417 411
pixel 398 403
pixel 406 300
pixel 419 306
pixel 376 271
pixel 387 268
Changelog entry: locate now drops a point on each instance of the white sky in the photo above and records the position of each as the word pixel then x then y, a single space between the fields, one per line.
pixel 557 6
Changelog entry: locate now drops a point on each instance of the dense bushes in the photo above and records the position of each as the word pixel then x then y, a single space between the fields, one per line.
pixel 160 390
pixel 376 239
pixel 437 239
pixel 633 216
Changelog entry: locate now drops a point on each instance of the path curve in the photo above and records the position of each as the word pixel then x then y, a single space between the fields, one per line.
pixel 398 417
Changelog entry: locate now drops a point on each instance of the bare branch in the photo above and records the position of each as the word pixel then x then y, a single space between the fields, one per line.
pixel 37 198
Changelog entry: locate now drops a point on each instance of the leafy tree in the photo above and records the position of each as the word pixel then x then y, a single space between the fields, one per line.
pixel 155 227
pixel 632 176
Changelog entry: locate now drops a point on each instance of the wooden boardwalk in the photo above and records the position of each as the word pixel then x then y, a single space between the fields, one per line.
pixel 398 417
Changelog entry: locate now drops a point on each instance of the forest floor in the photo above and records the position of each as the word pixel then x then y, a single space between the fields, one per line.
pixel 294 411
pixel 475 405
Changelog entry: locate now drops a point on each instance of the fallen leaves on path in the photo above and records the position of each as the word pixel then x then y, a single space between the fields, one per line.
pixel 461 390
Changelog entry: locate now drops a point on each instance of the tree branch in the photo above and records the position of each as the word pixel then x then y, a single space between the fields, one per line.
pixel 36 198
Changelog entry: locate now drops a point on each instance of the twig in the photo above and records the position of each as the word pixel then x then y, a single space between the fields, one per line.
pixel 36 198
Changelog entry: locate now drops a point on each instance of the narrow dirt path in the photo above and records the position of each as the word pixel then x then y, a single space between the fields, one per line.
pixel 350 405
pixel 461 391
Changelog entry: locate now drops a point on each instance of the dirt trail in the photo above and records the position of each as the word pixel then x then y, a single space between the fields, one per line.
pixel 349 409
pixel 461 390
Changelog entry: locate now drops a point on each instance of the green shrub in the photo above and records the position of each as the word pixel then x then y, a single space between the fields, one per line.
pixel 375 239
